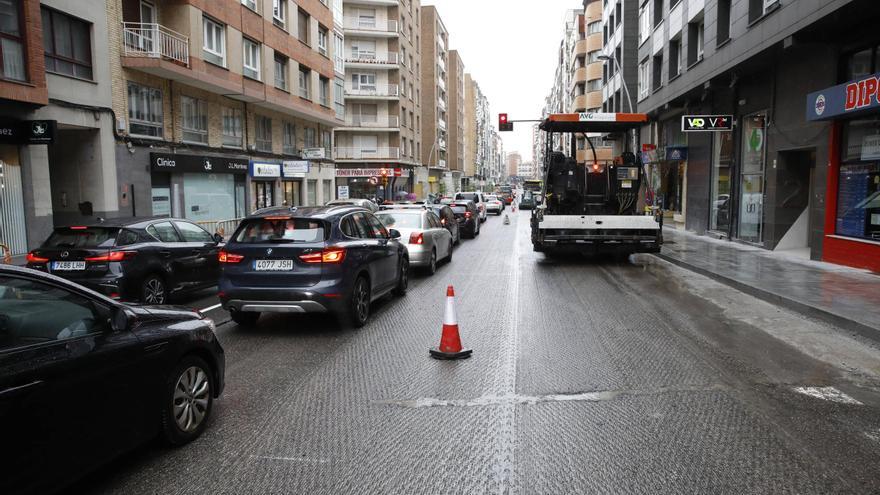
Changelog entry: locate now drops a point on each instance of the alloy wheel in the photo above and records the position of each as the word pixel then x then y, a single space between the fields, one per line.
pixel 191 396
pixel 154 291
pixel 362 300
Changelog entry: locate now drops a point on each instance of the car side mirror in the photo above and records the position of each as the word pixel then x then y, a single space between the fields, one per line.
pixel 119 319
pixel 394 233
pixel 218 238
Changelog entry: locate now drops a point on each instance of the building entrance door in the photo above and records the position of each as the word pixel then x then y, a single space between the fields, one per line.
pixel 12 222
pixel 793 192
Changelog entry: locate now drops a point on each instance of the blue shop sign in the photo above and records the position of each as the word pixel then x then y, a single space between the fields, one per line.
pixel 856 97
pixel 676 153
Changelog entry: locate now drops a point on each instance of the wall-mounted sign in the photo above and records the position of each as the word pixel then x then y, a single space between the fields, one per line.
pixel 854 97
pixel 706 123
pixel 28 132
pixel 342 192
pixel 314 153
pixel 371 172
pixel 295 168
pixel 676 153
pixel 265 170
pixel 871 147
pixel 194 164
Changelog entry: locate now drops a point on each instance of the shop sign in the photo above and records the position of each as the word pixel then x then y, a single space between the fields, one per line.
pixel 871 147
pixel 371 172
pixel 264 170
pixel 676 153
pixel 28 132
pixel 854 97
pixel 649 156
pixel 314 153
pixel 706 123
pixel 649 147
pixel 342 192
pixel 194 164
pixel 295 168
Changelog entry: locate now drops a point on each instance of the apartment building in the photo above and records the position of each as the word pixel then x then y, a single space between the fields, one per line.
pixel 223 107
pixel 527 170
pixel 379 148
pixel 56 128
pixel 514 162
pixel 779 179
pixel 471 137
pixel 435 91
pixel 456 112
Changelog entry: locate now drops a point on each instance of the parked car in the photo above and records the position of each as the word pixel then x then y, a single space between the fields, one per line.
pixel 468 218
pixel 84 378
pixel 493 204
pixel 363 203
pixel 527 201
pixel 427 240
pixel 479 202
pixel 146 260
pixel 336 259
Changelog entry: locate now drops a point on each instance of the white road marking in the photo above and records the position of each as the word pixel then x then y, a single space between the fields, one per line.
pixel 291 459
pixel 873 435
pixel 210 308
pixel 830 394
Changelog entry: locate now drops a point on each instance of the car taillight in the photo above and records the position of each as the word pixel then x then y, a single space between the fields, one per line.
pixel 33 258
pixel 331 255
pixel 113 256
pixel 467 214
pixel 442 221
pixel 416 238
pixel 227 257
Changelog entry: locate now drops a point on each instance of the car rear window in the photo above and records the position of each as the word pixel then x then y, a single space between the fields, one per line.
pixel 491 198
pixel 401 220
pixel 467 196
pixel 286 230
pixel 458 209
pixel 82 237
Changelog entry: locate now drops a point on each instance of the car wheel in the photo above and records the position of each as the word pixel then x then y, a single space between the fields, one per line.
pixel 359 303
pixel 244 318
pixel 189 395
pixel 432 263
pixel 153 290
pixel 402 279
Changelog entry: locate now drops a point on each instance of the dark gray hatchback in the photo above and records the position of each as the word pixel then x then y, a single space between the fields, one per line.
pixel 328 259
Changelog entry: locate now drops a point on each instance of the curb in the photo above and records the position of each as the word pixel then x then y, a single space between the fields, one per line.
pixel 861 329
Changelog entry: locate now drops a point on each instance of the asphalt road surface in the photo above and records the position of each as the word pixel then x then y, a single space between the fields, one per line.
pixel 588 376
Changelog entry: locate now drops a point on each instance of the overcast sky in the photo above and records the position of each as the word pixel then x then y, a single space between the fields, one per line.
pixel 510 48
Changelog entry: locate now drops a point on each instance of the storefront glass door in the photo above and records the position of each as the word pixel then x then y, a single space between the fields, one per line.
pixel 264 193
pixel 292 192
pixel 722 159
pixel 751 213
pixel 209 197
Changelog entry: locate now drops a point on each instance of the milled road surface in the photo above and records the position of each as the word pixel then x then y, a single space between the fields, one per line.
pixel 588 376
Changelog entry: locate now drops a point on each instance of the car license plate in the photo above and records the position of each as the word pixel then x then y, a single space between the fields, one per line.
pixel 68 265
pixel 273 265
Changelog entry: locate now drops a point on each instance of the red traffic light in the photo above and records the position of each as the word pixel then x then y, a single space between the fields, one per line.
pixel 503 124
pixel 502 118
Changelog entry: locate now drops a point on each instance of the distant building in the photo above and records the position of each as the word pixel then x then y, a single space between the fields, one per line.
pixel 514 160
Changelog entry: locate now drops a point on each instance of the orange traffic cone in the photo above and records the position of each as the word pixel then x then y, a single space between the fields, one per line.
pixel 450 341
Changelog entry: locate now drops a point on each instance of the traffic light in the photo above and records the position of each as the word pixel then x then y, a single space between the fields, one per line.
pixel 503 124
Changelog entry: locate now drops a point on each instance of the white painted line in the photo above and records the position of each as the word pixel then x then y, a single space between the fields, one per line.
pixel 210 308
pixel 873 435
pixel 830 394
pixel 291 459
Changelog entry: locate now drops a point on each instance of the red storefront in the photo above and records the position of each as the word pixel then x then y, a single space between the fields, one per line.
pixel 852 207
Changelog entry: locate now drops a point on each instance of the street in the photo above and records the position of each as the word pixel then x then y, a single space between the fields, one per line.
pixel 588 376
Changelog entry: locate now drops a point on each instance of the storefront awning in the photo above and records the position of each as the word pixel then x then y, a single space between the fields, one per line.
pixel 857 97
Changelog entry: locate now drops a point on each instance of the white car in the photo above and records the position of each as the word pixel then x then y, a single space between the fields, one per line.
pixel 494 204
pixel 478 199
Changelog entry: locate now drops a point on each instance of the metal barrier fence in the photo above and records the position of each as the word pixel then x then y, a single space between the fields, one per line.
pixel 222 227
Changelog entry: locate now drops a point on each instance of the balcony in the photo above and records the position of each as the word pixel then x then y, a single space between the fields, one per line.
pixel 580 49
pixel 355 27
pixel 364 60
pixel 354 122
pixel 441 163
pixel 441 83
pixel 368 154
pixel 441 143
pixel 580 103
pixel 441 104
pixel 441 124
pixel 154 41
pixel 377 92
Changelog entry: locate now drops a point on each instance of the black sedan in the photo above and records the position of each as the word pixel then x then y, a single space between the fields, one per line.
pixel 467 216
pixel 326 259
pixel 146 260
pixel 84 378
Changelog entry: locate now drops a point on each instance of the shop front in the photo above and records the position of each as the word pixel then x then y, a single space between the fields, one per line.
pixel 293 173
pixel 382 184
pixel 198 187
pixel 265 182
pixel 852 215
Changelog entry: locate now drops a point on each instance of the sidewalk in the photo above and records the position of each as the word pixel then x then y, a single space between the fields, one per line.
pixel 843 296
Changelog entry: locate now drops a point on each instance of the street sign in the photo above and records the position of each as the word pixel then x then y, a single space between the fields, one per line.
pixel 342 192
pixel 706 123
pixel 314 153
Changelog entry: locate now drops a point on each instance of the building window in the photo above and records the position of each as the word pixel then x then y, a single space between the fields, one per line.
pixel 213 42
pixel 366 18
pixel 325 91
pixel 251 59
pixel 263 133
pixel 66 43
pixel 858 207
pixel 11 46
pixel 144 110
pixel 644 79
pixel 194 117
pixel 310 141
pixel 594 27
pixel 305 77
pixel 657 78
pixel 251 4
pixel 338 53
pixel 695 42
pixel 322 40
pixel 674 58
pixel 327 141
pixel 339 97
pixel 760 8
pixel 363 49
pixel 279 12
pixel 723 33
pixel 658 12
pixel 303 26
pixel 280 71
pixel 232 127
pixel 288 139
